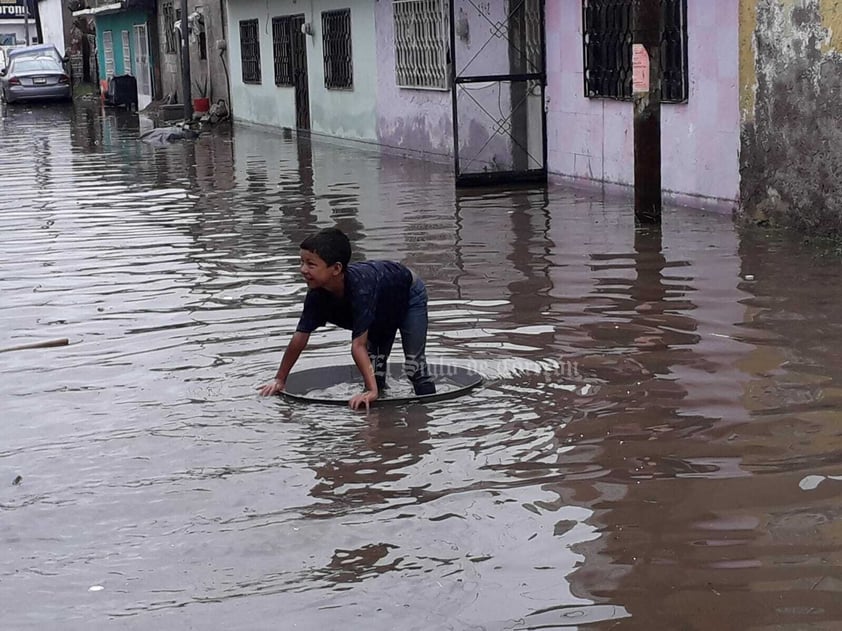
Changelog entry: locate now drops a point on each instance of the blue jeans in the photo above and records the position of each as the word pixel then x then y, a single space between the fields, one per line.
pixel 414 341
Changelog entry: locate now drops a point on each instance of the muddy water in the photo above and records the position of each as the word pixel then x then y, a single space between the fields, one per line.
pixel 656 446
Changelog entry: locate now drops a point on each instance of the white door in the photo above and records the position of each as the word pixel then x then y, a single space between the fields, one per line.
pixel 141 66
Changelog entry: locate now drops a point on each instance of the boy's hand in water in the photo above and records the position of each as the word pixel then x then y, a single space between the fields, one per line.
pixel 275 387
pixel 365 399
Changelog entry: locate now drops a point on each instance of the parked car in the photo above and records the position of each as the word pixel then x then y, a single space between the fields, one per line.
pixel 34 78
pixel 39 50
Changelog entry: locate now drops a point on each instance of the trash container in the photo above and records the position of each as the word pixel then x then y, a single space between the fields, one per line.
pixel 122 91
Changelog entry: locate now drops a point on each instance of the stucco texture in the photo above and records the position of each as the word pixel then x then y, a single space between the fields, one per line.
pixel 594 138
pixel 419 120
pixel 791 159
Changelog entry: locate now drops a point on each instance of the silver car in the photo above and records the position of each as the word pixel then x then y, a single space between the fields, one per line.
pixel 34 78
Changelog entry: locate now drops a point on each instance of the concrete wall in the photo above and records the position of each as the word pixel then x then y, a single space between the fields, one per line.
pixel 593 138
pixel 791 77
pixel 409 118
pixel 264 103
pixel 209 73
pixel 347 114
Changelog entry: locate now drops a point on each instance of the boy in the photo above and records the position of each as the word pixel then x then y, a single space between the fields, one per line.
pixel 373 299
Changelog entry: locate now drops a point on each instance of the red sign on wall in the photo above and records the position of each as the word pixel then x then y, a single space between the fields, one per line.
pixel 640 68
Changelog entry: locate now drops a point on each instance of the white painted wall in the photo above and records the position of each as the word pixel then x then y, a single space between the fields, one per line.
pixel 342 113
pixel 52 23
pixel 265 104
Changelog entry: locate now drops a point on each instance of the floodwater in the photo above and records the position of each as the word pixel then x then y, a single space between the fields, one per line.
pixel 656 446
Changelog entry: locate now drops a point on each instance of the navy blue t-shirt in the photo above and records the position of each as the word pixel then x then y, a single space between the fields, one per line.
pixel 376 299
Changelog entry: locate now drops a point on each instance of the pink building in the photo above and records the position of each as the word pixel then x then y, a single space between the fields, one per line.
pixel 700 139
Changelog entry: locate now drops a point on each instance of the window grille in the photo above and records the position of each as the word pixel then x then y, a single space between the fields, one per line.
pixel 127 54
pixel 422 33
pixel 250 51
pixel 675 87
pixel 282 46
pixel 170 46
pixel 608 33
pixel 108 53
pixel 336 35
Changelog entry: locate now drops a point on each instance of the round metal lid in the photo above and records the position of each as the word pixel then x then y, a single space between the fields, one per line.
pixel 334 385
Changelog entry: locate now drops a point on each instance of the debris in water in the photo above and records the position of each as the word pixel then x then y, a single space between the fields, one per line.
pixel 95 588
pixel 18 479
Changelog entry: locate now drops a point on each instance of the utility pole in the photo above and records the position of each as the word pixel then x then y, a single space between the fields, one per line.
pixel 647 23
pixel 185 64
pixel 26 21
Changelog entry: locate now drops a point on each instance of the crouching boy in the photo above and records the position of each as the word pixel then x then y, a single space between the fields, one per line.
pixel 373 299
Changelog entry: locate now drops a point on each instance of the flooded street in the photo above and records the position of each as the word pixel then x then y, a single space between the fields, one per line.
pixel 656 446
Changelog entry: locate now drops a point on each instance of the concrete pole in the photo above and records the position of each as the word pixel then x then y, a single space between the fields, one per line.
pixel 186 93
pixel 646 54
pixel 26 22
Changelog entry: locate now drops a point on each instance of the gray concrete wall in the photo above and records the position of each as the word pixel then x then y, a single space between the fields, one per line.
pixel 791 160
pixel 211 71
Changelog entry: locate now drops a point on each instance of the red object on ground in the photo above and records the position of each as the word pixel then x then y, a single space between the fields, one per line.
pixel 201 104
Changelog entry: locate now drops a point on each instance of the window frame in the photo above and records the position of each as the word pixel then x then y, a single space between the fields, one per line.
pixel 612 79
pixel 250 64
pixel 168 14
pixel 127 52
pixel 282 51
pixel 108 53
pixel 335 77
pixel 437 74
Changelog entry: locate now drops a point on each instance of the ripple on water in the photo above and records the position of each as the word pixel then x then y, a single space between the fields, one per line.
pixel 652 423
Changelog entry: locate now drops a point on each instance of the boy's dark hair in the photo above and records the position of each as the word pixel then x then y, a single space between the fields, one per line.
pixel 331 245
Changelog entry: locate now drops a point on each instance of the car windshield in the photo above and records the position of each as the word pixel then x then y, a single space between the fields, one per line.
pixel 35 64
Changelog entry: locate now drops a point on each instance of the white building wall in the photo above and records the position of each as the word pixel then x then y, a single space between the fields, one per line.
pixel 347 114
pixel 266 103
pixel 52 23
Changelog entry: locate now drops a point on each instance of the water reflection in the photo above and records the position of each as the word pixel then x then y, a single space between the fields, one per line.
pixel 654 446
pixel 365 473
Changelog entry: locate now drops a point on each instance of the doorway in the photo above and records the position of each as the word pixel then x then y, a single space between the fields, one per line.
pixel 141 66
pixel 498 78
pixel 299 73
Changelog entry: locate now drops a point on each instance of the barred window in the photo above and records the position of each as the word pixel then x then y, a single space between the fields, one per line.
pixel 608 33
pixel 421 43
pixel 127 54
pixel 108 53
pixel 336 36
pixel 250 51
pixel 282 46
pixel 170 45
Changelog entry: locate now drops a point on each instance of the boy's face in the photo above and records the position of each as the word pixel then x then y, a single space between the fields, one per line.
pixel 315 271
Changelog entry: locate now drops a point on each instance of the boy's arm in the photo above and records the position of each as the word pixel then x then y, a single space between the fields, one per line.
pixel 291 354
pixel 359 351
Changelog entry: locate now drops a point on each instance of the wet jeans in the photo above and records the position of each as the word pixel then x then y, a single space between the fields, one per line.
pixel 414 341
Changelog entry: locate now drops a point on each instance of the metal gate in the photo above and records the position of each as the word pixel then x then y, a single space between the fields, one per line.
pixel 498 77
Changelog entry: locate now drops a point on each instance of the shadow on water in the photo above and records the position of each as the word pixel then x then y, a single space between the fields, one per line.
pixel 655 445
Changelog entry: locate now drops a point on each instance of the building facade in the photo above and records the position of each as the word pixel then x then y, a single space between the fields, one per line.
pixel 591 135
pixel 17 23
pixel 309 66
pixel 207 37
pixel 381 72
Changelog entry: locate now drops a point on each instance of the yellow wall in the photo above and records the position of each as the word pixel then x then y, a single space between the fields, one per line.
pixel 748 76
